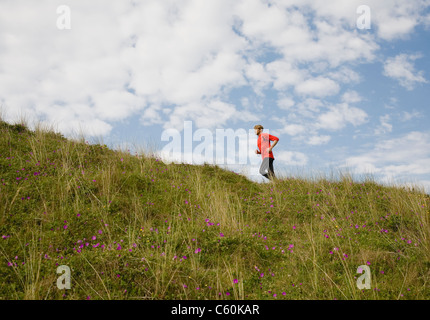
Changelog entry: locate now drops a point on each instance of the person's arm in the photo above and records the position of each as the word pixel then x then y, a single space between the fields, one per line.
pixel 273 145
pixel 257 151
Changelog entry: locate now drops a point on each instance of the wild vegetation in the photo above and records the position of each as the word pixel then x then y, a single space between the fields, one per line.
pixel 131 227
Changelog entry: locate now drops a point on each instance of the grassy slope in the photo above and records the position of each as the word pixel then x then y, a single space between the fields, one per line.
pixel 131 227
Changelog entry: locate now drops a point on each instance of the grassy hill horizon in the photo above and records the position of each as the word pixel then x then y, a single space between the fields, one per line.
pixel 132 227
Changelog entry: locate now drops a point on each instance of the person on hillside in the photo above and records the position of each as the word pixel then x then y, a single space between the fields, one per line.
pixel 265 149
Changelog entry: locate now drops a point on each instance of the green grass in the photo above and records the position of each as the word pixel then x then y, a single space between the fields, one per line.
pixel 132 227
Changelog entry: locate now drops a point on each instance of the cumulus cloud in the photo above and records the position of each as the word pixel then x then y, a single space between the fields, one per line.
pixel 285 103
pixel 68 77
pixel 292 158
pixel 258 76
pixel 169 61
pixel 385 126
pixel 351 97
pixel 318 140
pixel 210 115
pixel 345 75
pixel 340 115
pixel 392 19
pixel 318 87
pixel 293 129
pixel 403 158
pixel 401 68
pixel 407 116
pixel 285 74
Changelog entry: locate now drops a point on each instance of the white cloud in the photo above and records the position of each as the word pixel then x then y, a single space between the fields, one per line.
pixel 210 115
pixel 345 75
pixel 331 120
pixel 397 26
pixel 404 159
pixel 401 68
pixel 285 103
pixel 284 74
pixel 318 140
pixel 292 158
pixel 385 126
pixel 118 59
pixel 293 129
pixel 426 20
pixel 285 26
pixel 362 164
pixel 187 59
pixel 339 46
pixel 317 87
pixel 392 19
pixel 407 116
pixel 339 115
pixel 273 25
pixel 289 127
pixel 114 105
pixel 64 76
pixel 244 101
pixel 152 116
pixel 351 97
pixel 165 61
pixel 258 76
pixel 311 105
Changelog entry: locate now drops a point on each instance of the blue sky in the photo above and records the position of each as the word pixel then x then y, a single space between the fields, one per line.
pixel 338 97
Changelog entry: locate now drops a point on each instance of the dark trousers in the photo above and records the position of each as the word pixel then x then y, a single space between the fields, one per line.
pixel 266 168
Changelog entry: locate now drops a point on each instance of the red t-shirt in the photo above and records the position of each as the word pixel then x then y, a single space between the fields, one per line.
pixel 263 143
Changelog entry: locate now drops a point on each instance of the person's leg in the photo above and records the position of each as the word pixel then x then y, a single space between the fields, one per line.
pixel 271 171
pixel 265 167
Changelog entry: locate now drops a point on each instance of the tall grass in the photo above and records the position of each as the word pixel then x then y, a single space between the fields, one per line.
pixel 131 227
